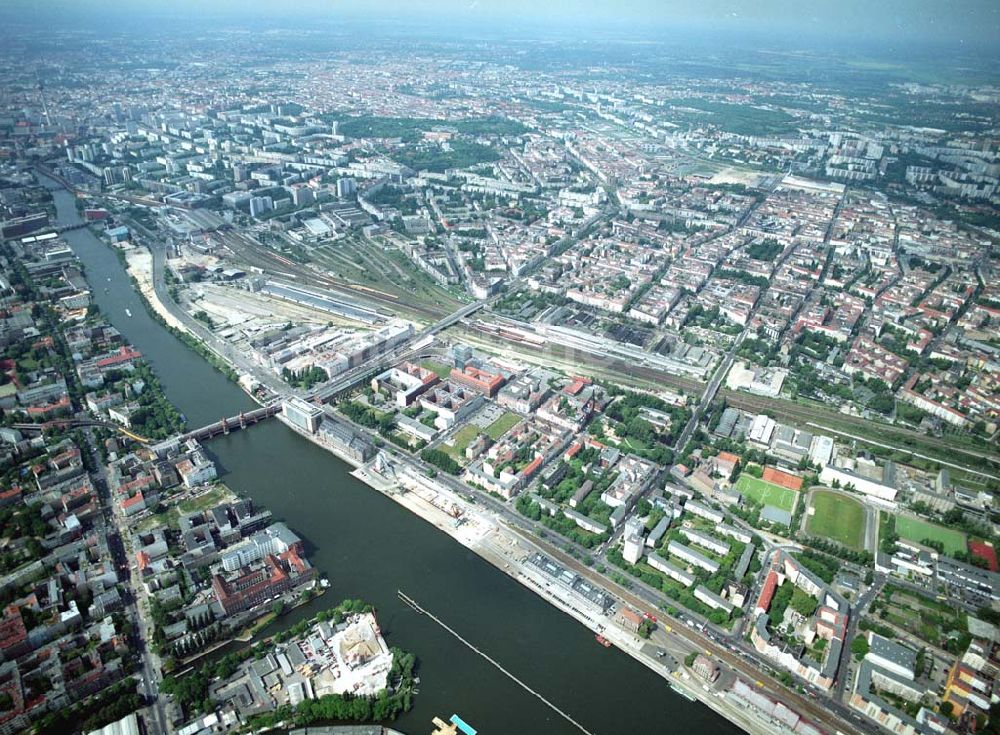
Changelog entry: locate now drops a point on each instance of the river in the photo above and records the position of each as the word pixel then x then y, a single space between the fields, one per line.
pixel 369 547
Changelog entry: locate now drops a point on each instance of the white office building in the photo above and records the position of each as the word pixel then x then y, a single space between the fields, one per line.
pixel 711 599
pixel 632 551
pixel 302 414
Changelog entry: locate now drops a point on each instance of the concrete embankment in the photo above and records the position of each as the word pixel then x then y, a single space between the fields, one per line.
pixel 504 548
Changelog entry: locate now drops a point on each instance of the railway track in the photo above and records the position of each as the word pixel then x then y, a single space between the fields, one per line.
pixel 262 257
pixel 783 409
pixel 252 253
pixel 814 414
pixel 828 715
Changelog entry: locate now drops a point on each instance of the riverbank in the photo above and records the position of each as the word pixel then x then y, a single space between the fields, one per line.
pixel 139 261
pixel 247 634
pixel 505 549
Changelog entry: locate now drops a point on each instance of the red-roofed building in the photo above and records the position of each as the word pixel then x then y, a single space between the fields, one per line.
pixel 256 586
pixel 532 468
pixel 576 386
pixel 124 355
pixel 985 551
pixel 407 382
pixel 295 562
pixel 139 484
pixel 13 634
pixel 629 619
pixel 726 463
pixel 11 496
pixel 133 505
pixel 830 623
pixel 50 410
pixel 782 479
pixel 65 459
pixel 77 496
pixel 767 592
pixel 478 380
pixel 86 675
pixel 426 376
pixel 15 718
pixel 251 588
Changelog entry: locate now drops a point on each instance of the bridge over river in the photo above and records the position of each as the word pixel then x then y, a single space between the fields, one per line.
pixel 223 426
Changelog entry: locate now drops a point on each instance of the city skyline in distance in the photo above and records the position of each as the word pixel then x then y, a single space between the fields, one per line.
pixel 897 23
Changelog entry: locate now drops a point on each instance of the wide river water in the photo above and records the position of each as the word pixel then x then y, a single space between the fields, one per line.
pixel 369 547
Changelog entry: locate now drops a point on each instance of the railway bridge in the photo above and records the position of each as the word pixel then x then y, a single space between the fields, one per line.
pixel 223 426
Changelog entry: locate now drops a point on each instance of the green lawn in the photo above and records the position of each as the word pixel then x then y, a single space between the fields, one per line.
pixel 502 425
pixel 916 530
pixel 462 438
pixel 838 518
pixel 171 515
pixel 766 493
pixel 209 499
pixel 442 370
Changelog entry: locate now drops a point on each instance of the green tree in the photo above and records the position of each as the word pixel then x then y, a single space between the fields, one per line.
pixel 779 603
pixel 803 603
pixel 441 460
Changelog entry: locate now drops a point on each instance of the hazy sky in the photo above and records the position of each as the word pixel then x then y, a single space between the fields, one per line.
pixel 975 22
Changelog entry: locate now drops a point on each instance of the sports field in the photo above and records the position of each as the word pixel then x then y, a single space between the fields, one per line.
pixel 916 530
pixel 838 518
pixel 765 493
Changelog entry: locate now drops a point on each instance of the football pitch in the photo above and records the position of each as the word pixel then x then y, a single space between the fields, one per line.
pixel 916 530
pixel 766 493
pixel 837 517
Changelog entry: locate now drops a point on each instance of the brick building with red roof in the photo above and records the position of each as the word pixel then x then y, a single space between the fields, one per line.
pixel 255 586
pixel 13 634
pixel 767 592
pixel 478 380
